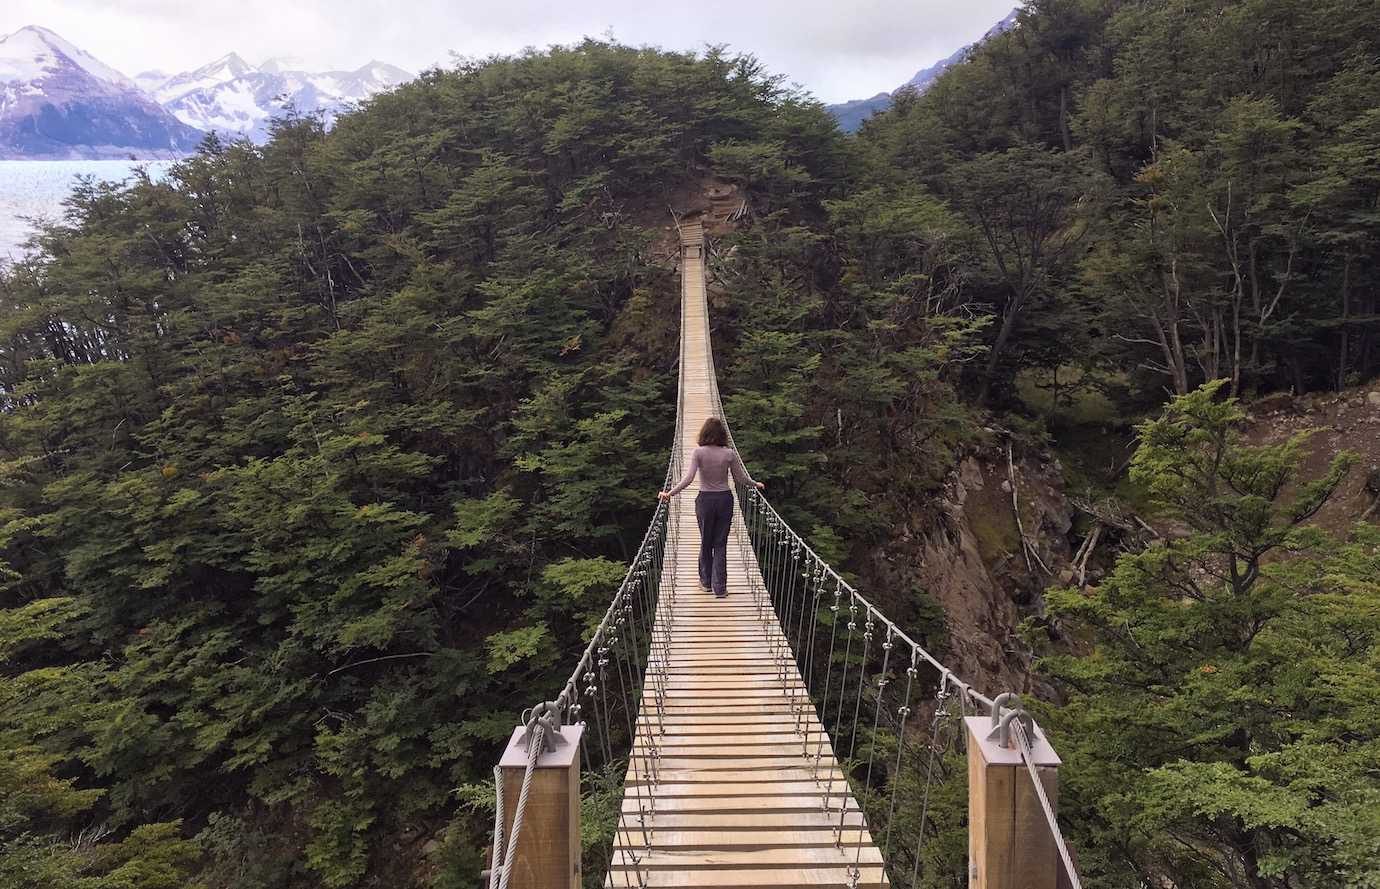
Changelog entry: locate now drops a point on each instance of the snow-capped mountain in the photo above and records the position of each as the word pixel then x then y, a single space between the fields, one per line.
pixel 150 80
pixel 233 98
pixel 851 115
pixel 279 64
pixel 222 70
pixel 57 101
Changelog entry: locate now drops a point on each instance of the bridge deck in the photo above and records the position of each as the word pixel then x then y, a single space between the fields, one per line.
pixel 749 792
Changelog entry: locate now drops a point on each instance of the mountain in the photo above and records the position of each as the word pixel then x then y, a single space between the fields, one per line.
pixel 150 80
pixel 57 101
pixel 279 64
pixel 850 115
pixel 222 70
pixel 233 98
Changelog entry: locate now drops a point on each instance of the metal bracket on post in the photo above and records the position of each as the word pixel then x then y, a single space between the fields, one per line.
pixel 1002 718
pixel 548 715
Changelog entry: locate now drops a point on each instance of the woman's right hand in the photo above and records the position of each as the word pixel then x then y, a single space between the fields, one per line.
pixel 663 495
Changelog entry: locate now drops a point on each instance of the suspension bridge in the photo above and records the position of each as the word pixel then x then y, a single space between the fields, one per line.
pixel 764 739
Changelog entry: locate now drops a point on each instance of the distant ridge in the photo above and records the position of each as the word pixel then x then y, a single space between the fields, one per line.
pixel 235 99
pixel 851 114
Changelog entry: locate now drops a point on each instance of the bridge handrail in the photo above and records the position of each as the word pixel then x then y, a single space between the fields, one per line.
pixel 844 586
pixel 659 518
pixel 548 715
pixel 948 679
pixel 917 649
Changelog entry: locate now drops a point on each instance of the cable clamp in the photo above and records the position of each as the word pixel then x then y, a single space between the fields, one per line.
pixel 548 716
pixel 1002 717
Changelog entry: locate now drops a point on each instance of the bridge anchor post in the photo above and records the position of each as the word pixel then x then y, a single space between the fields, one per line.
pixel 548 846
pixel 1010 844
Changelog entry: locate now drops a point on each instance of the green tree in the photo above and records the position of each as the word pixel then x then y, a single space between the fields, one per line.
pixel 1212 727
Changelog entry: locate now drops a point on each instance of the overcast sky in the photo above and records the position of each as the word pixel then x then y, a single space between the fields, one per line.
pixel 838 50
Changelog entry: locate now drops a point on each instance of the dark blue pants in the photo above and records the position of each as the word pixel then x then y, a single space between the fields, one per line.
pixel 714 512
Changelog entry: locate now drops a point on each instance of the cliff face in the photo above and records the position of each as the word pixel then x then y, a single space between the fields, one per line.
pixel 965 551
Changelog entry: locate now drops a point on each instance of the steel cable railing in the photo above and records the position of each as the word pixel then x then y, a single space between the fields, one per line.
pixel 799 584
pixel 614 653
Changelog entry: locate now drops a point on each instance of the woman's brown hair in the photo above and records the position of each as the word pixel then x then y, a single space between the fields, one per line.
pixel 714 432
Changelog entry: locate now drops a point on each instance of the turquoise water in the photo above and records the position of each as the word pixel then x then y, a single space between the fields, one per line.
pixel 36 189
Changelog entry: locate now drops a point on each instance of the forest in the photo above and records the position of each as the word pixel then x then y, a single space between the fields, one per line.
pixel 318 459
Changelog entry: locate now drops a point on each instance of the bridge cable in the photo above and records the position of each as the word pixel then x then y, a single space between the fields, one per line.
pixel 1023 742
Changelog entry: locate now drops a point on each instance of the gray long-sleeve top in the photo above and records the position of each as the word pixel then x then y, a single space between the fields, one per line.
pixel 714 464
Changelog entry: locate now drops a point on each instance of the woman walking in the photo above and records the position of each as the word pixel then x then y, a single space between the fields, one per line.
pixel 714 460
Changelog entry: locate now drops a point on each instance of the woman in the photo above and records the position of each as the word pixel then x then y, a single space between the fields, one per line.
pixel 714 460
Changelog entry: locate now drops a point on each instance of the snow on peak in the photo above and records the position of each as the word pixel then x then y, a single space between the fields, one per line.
pixel 232 63
pixel 223 70
pixel 227 95
pixel 246 105
pixel 383 73
pixel 151 80
pixel 33 52
pixel 280 64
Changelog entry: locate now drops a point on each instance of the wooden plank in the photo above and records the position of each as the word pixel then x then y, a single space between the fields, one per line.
pixel 693 720
pixel 713 859
pixel 868 878
pixel 730 840
pixel 738 804
pixel 740 752
pixel 785 759
pixel 735 775
pixel 815 820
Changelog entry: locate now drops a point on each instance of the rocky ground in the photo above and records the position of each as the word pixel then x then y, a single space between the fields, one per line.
pixel 1341 421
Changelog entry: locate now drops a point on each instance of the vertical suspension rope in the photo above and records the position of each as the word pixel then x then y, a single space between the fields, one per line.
pixel 838 716
pixel 828 681
pixel 902 714
pixel 936 726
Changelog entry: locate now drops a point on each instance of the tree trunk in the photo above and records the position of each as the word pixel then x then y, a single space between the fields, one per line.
pixel 1064 118
pixel 1178 362
pixel 1344 334
pixel 1008 325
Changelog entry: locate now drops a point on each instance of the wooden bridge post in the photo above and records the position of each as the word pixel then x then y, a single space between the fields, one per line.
pixel 1010 845
pixel 548 846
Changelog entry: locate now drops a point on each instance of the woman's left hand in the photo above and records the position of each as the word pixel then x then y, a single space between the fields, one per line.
pixel 663 495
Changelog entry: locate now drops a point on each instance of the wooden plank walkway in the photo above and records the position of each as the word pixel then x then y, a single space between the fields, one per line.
pixel 748 793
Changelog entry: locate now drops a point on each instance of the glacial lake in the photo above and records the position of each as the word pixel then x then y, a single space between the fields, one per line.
pixel 36 189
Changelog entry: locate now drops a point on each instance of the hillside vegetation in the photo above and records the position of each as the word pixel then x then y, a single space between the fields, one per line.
pixel 318 458
pixel 1173 191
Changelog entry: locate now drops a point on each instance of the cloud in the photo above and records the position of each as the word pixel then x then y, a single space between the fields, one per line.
pixel 836 50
